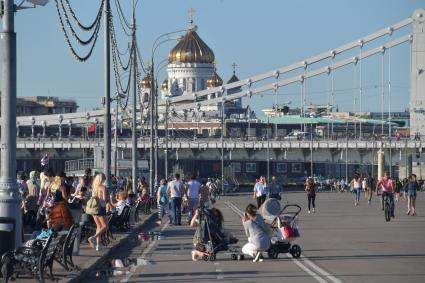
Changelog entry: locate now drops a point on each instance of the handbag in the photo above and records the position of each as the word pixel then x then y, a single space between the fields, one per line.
pixel 92 206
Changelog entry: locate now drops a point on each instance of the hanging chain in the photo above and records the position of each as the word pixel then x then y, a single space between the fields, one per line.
pixel 83 27
pixel 73 51
pixel 74 33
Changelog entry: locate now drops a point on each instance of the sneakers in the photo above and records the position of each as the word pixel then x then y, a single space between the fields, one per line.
pixel 314 210
pixel 258 257
pixel 92 241
pixel 408 212
pixel 308 212
pixel 99 248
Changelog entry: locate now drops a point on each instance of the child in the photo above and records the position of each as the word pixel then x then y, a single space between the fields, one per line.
pixel 162 198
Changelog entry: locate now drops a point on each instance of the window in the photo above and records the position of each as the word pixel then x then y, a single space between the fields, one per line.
pixel 251 168
pixel 236 167
pixel 296 168
pixel 281 168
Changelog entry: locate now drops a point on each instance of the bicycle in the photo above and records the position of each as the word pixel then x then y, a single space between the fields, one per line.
pixel 387 207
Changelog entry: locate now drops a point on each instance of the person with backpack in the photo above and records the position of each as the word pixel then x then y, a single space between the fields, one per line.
pixel 96 206
pixel 175 190
pixel 162 199
pixel 397 188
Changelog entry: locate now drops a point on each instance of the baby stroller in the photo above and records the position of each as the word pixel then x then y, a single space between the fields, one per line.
pixel 209 236
pixel 284 228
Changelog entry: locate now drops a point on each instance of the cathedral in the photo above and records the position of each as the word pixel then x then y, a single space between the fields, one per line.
pixel 191 68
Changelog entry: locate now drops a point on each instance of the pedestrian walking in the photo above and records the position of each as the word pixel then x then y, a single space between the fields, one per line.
pixel 175 190
pixel 99 199
pixel 260 193
pixel 356 184
pixel 275 189
pixel 397 188
pixel 410 190
pixel 193 196
pixel 162 199
pixel 311 194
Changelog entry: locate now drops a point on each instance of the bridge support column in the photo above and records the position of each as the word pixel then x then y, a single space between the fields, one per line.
pixel 417 75
pixel 381 163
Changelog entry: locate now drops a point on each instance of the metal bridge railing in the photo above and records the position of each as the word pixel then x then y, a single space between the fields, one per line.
pixel 79 164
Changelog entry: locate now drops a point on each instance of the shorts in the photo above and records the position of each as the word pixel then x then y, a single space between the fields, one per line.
pixel 411 194
pixel 102 211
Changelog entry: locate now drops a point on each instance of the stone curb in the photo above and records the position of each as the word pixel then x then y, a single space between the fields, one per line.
pixel 94 264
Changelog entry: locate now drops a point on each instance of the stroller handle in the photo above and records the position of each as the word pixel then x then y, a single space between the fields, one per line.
pixel 293 205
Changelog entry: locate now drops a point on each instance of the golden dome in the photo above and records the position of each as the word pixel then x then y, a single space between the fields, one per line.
pixel 214 81
pixel 146 82
pixel 164 85
pixel 191 49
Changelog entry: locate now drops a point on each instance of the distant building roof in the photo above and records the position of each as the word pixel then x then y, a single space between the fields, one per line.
pixel 297 119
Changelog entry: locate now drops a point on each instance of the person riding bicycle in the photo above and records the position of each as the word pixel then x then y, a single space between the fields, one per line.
pixel 386 185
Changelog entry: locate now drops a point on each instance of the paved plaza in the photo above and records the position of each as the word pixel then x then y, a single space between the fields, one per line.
pixel 340 243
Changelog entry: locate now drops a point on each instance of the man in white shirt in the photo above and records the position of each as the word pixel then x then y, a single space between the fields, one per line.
pixel 192 196
pixel 175 190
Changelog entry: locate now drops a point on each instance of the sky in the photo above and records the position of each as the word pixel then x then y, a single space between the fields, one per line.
pixel 257 35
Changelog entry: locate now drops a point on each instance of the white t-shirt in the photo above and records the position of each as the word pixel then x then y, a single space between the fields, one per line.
pixel 259 189
pixel 176 188
pixel 193 189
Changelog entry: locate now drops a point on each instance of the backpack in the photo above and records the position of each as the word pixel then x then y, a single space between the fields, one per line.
pixel 163 199
pixel 92 206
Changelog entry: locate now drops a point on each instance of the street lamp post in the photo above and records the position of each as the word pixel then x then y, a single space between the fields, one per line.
pixel 268 151
pixel 70 128
pixel 9 197
pixel 107 116
pixel 153 156
pixel 116 98
pixel 60 118
pixel 222 145
pixel 167 102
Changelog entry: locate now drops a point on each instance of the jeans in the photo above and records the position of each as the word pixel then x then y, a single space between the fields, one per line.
pixel 193 204
pixel 176 210
pixel 311 201
pixel 162 210
pixel 391 197
pixel 356 193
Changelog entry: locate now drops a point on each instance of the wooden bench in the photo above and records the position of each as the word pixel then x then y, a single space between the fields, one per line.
pixel 35 260
pixel 65 248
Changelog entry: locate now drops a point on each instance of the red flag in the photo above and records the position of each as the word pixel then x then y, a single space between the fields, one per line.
pixel 91 129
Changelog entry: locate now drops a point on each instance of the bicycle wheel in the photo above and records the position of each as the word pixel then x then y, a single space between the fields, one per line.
pixel 387 211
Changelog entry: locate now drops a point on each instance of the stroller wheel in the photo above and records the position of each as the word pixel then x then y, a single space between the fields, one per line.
pixel 295 251
pixel 273 252
pixel 233 256
pixel 240 257
pixel 205 258
pixel 212 257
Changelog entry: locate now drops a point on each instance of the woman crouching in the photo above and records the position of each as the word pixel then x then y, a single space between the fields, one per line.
pixel 256 231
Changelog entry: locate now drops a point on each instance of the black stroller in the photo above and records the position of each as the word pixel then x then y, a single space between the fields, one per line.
pixel 209 236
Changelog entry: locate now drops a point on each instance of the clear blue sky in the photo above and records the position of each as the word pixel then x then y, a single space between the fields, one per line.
pixel 257 35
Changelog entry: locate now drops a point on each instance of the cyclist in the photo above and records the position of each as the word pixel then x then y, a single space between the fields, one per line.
pixel 386 185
